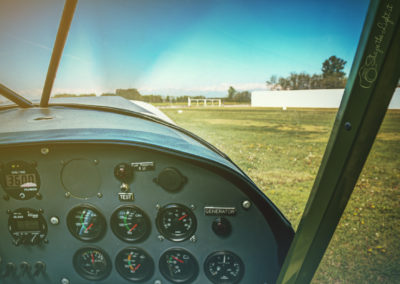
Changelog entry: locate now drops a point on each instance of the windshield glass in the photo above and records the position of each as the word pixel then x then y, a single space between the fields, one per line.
pixel 178 55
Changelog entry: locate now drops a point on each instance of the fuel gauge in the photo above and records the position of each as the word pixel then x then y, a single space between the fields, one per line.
pixel 179 266
pixel 92 263
pixel 86 223
pixel 224 267
pixel 130 224
pixel 134 264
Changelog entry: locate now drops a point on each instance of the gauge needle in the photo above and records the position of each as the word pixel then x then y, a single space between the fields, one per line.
pixel 92 257
pixel 183 217
pixel 88 228
pixel 177 259
pixel 136 268
pixel 134 226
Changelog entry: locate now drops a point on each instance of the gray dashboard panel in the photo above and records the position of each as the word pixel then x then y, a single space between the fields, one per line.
pixel 252 238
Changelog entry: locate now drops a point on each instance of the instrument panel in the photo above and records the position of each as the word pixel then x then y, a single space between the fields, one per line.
pixel 103 213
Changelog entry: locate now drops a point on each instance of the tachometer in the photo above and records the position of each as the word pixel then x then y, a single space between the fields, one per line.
pixel 20 180
pixel 176 222
pixel 130 224
pixel 86 223
pixel 179 266
pixel 224 267
pixel 92 263
pixel 134 264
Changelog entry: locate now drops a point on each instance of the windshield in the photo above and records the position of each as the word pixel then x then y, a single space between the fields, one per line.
pixel 178 55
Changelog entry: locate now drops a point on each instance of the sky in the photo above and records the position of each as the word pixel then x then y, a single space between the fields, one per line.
pixel 174 47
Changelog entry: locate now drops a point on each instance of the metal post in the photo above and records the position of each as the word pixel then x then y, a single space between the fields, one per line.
pixel 372 81
pixel 14 97
pixel 65 23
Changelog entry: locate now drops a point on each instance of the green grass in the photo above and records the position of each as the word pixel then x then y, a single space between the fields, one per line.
pixel 281 151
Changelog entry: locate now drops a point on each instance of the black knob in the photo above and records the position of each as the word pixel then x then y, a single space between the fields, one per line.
pixel 171 179
pixel 40 267
pixel 10 269
pixel 222 227
pixel 123 172
pixel 25 268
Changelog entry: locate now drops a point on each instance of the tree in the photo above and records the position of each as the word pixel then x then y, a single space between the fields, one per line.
pixel 272 80
pixel 231 93
pixel 333 66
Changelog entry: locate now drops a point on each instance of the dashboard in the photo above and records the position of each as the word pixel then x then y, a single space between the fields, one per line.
pixel 115 213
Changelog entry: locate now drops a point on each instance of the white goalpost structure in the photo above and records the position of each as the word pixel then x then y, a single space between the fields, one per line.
pixel 204 102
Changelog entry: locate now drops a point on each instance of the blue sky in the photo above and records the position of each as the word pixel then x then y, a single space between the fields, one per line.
pixel 173 47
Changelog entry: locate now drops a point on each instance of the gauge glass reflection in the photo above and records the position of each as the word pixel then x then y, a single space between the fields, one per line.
pixel 179 266
pixel 224 267
pixel 176 222
pixel 134 264
pixel 130 224
pixel 92 263
pixel 86 223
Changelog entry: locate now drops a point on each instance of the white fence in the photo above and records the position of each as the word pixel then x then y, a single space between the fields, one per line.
pixel 307 98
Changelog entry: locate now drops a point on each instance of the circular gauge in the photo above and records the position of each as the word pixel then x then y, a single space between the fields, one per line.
pixel 86 223
pixel 176 222
pixel 224 267
pixel 179 266
pixel 134 264
pixel 130 224
pixel 92 263
pixel 20 180
pixel 27 226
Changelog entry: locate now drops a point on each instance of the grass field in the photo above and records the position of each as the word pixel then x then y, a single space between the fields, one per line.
pixel 281 151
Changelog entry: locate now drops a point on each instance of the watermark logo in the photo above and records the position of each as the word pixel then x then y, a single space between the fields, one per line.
pixel 369 71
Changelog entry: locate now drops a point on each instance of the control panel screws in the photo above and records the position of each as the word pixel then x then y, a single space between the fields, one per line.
pixel 193 239
pixel 38 196
pixel 41 211
pixel 9 211
pixel 161 238
pixel 347 126
pixel 67 195
pixel 54 220
pixel 192 206
pixel 44 151
pixel 64 280
pixel 246 204
pixel 99 195
pixel 96 162
pixel 158 206
pixel 157 282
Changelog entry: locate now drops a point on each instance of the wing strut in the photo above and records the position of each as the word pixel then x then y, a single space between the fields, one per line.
pixel 14 97
pixel 372 81
pixel 65 23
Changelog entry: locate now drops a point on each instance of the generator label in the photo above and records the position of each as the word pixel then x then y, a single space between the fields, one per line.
pixel 219 211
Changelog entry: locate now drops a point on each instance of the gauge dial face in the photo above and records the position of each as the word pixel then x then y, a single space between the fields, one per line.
pixel 134 264
pixel 130 224
pixel 179 266
pixel 92 263
pixel 20 180
pixel 86 223
pixel 176 222
pixel 224 267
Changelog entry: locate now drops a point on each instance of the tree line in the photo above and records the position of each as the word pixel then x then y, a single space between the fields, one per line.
pixel 332 77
